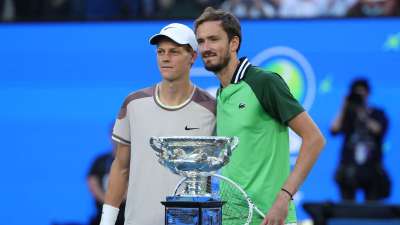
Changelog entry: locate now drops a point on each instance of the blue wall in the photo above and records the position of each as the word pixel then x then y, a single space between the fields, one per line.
pixel 61 85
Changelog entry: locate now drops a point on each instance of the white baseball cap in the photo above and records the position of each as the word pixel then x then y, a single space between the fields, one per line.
pixel 177 32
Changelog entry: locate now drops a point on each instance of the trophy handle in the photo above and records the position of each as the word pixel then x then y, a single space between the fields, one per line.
pixel 155 143
pixel 235 142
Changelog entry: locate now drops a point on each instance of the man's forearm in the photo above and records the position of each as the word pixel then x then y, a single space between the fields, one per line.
pixel 117 185
pixel 310 148
pixel 337 124
pixel 374 126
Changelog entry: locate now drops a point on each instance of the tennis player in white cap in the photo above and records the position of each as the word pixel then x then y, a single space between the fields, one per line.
pixel 173 107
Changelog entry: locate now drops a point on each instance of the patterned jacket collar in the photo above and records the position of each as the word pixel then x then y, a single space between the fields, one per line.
pixel 240 70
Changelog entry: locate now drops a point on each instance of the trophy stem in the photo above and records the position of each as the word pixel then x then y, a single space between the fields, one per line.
pixel 196 186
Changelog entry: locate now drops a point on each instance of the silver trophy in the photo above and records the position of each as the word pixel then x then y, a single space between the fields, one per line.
pixel 194 158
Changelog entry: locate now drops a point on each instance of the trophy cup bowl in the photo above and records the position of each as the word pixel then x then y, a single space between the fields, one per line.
pixel 194 157
pixel 202 155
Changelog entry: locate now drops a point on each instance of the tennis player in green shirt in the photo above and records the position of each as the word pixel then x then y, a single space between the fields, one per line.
pixel 258 107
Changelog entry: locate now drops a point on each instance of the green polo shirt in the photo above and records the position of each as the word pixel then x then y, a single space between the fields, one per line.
pixel 256 107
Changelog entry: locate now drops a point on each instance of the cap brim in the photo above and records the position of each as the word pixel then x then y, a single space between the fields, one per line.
pixel 156 38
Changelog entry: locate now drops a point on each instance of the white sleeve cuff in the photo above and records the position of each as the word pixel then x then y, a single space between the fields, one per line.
pixel 109 215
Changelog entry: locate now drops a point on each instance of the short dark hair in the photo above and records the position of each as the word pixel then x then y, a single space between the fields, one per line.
pixel 360 82
pixel 229 22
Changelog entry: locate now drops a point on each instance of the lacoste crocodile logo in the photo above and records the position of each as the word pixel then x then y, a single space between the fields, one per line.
pixel 242 106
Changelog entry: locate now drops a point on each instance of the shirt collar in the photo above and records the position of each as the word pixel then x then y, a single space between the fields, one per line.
pixel 240 70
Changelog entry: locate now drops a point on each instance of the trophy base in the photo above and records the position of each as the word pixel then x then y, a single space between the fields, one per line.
pixel 185 210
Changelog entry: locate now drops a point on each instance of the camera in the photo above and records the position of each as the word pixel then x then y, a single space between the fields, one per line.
pixel 355 99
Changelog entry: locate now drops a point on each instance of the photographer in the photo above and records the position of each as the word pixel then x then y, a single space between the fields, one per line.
pixel 363 128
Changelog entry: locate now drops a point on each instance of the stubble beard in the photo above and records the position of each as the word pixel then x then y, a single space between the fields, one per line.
pixel 218 67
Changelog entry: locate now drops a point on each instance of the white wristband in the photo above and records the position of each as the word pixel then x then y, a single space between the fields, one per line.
pixel 109 215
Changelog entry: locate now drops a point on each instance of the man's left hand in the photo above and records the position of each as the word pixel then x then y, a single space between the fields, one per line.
pixel 279 210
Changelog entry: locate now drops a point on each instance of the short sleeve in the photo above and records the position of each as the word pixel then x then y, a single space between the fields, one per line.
pixel 275 97
pixel 121 131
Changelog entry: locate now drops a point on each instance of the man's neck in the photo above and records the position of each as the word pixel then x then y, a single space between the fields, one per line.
pixel 175 93
pixel 226 74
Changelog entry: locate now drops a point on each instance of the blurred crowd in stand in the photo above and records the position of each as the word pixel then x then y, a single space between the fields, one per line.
pixel 255 9
pixel 82 10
